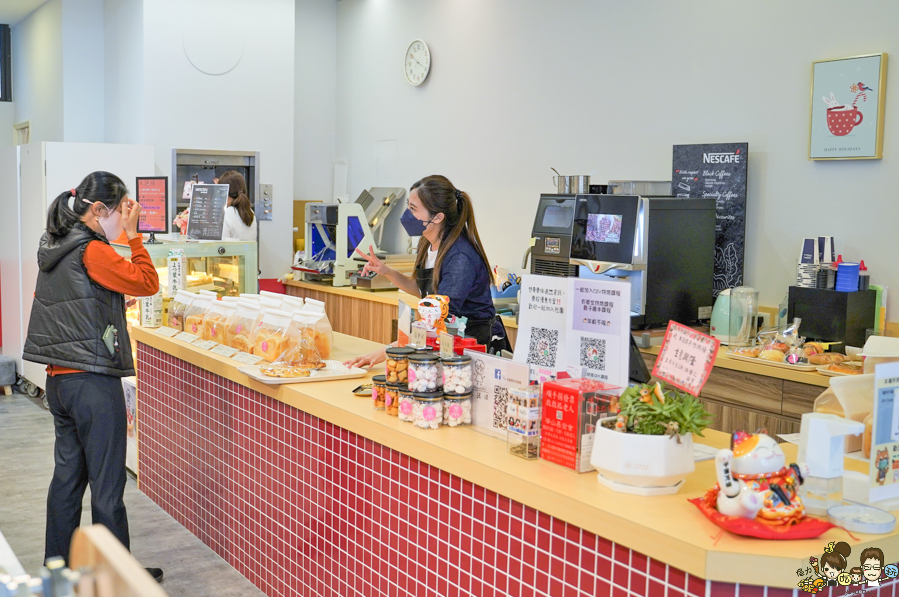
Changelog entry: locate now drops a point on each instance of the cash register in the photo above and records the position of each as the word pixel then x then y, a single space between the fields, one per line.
pixel 663 247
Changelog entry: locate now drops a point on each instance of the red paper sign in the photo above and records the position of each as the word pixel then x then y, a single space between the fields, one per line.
pixel 686 358
pixel 559 425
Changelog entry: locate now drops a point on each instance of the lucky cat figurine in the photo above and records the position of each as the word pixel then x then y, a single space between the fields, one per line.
pixel 433 310
pixel 754 482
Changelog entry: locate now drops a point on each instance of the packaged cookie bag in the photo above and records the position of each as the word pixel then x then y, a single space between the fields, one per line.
pixel 216 321
pixel 195 314
pixel 241 325
pixel 177 309
pixel 270 338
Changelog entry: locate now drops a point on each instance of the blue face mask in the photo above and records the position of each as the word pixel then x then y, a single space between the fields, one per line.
pixel 412 225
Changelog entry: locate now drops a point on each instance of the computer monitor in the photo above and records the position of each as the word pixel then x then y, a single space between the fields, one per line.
pixel 153 196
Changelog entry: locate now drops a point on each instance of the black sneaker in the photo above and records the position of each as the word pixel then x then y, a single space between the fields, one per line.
pixel 156 573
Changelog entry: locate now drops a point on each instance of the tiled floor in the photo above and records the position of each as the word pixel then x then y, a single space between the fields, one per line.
pixel 26 465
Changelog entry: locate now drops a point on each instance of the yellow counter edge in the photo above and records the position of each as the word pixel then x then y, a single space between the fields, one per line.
pixel 666 528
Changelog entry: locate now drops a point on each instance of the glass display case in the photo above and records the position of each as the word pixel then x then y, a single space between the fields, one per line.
pixel 226 268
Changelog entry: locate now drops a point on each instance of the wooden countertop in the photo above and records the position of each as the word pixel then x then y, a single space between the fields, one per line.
pixel 725 362
pixel 667 528
pixel 387 297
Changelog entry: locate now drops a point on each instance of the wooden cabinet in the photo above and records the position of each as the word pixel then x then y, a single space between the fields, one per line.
pixel 748 401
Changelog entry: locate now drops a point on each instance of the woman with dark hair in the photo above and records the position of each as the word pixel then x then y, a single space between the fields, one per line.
pixel 451 261
pixel 239 216
pixel 78 330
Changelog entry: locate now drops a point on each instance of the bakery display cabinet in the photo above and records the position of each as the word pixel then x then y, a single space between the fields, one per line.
pixel 226 268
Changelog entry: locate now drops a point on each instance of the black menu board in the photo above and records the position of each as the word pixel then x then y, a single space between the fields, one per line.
pixel 207 211
pixel 718 171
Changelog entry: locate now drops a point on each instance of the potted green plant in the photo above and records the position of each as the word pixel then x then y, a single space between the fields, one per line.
pixel 647 449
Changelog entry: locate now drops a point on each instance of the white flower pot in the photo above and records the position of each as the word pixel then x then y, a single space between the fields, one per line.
pixel 642 464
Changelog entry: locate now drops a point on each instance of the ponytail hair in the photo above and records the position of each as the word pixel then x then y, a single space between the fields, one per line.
pixel 438 195
pixel 237 192
pixel 68 208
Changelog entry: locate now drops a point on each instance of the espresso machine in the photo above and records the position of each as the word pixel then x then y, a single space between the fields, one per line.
pixel 664 247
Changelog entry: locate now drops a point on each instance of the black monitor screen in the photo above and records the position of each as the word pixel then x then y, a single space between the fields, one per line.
pixel 604 228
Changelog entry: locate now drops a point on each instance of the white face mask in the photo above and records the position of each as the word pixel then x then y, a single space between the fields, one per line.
pixel 111 223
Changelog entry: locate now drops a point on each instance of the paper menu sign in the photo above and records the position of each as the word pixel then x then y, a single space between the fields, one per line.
pixel 187 337
pixel 207 211
pixel 686 358
pixel 167 332
pixel 542 321
pixel 884 467
pixel 205 344
pixel 446 346
pixel 246 359
pixel 491 379
pixel 575 324
pixel 224 351
pixel 599 323
pixel 418 335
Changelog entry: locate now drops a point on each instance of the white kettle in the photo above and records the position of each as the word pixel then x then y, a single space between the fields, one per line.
pixel 735 316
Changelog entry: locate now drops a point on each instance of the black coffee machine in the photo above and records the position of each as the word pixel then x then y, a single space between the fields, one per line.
pixel 663 246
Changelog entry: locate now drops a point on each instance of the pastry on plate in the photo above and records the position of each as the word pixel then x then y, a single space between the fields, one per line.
pixel 748 352
pixel 772 355
pixel 847 368
pixel 284 372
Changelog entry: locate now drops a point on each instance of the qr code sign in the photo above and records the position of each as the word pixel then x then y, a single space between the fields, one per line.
pixel 543 348
pixel 500 406
pixel 593 353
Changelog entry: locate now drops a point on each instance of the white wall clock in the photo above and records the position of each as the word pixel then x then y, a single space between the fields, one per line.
pixel 417 63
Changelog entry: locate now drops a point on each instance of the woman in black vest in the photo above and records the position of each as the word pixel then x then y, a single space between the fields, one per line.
pixel 78 330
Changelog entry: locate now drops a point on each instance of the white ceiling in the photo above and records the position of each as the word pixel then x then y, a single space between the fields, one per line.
pixel 13 11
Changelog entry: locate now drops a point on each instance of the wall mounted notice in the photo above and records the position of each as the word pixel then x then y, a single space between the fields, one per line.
pixel 686 358
pixel 491 379
pixel 884 482
pixel 574 324
pixel 207 211
pixel 718 171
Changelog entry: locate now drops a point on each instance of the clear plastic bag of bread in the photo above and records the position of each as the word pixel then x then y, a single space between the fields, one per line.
pixel 177 309
pixel 216 320
pixel 241 325
pixel 270 338
pixel 292 304
pixel 317 329
pixel 196 313
pixel 299 360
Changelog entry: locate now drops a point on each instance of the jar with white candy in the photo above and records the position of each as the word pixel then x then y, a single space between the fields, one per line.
pixel 457 409
pixel 427 409
pixel 457 375
pixel 407 403
pixel 424 373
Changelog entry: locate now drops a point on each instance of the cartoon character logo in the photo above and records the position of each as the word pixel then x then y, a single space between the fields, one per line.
pixel 842 119
pixel 831 570
pixel 883 463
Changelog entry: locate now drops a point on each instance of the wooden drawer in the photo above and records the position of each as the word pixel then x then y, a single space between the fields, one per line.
pixel 799 398
pixel 746 390
pixel 728 419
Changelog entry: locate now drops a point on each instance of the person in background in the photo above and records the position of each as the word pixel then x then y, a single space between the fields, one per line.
pixel 240 221
pixel 78 330
pixel 451 261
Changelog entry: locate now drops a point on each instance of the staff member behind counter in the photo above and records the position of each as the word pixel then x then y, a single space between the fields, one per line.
pixel 451 261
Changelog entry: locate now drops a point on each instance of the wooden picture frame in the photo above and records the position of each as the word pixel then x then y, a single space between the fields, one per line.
pixel 838 129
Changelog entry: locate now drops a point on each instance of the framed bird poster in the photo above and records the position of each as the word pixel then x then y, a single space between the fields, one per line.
pixel 848 99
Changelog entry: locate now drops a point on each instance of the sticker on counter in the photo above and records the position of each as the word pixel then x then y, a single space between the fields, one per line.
pixel 205 344
pixel 167 332
pixel 224 351
pixel 247 359
pixel 686 358
pixel 187 337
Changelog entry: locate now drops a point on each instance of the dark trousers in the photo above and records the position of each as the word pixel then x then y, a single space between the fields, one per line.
pixel 89 414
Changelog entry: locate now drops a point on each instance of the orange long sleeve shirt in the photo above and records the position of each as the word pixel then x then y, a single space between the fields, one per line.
pixel 110 270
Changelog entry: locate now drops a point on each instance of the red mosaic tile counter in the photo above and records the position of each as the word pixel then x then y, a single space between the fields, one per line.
pixel 306 506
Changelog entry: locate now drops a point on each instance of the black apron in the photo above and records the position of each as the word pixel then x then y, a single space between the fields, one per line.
pixel 481 330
